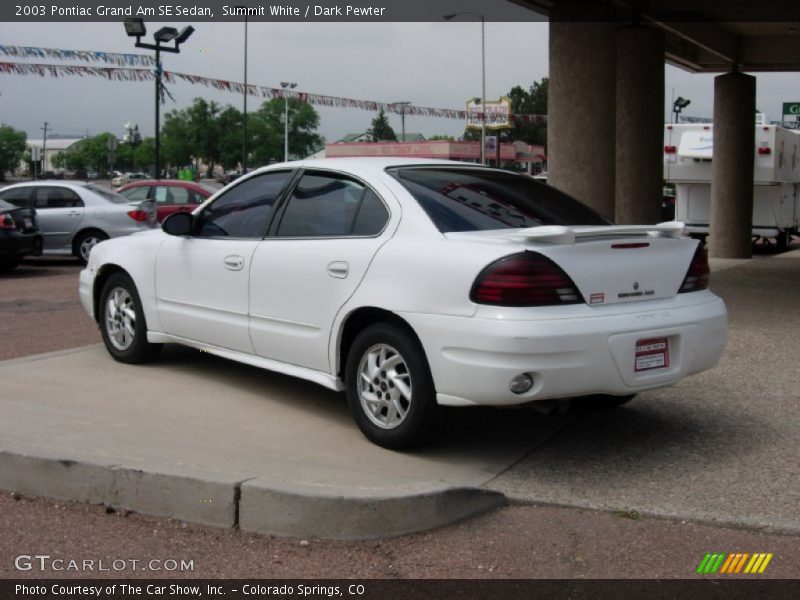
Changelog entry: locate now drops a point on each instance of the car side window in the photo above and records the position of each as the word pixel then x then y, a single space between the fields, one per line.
pixel 20 196
pixel 138 193
pixel 331 205
pixel 173 195
pixel 56 197
pixel 245 210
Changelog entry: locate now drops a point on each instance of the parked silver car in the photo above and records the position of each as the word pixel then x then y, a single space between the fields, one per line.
pixel 75 216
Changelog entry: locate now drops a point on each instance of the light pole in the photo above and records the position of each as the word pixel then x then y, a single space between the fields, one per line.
pixel 291 85
pixel 450 17
pixel 678 106
pixel 243 10
pixel 135 28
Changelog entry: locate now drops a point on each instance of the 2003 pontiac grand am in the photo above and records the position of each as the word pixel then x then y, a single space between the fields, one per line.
pixel 413 286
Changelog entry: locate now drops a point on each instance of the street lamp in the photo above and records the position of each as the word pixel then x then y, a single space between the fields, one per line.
pixel 450 17
pixel 291 85
pixel 136 28
pixel 679 104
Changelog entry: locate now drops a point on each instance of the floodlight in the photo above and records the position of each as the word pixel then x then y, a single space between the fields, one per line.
pixel 135 27
pixel 166 34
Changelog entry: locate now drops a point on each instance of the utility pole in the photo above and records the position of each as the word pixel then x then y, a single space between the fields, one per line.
pixel 44 146
pixel 402 104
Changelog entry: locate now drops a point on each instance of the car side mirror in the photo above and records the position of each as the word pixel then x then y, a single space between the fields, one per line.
pixel 180 223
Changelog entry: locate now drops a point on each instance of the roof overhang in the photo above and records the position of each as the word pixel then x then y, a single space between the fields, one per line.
pixel 710 36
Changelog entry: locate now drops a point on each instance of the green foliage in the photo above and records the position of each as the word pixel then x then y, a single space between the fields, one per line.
pixel 267 125
pixel 212 134
pixel 381 131
pixel 91 154
pixel 434 138
pixel 12 149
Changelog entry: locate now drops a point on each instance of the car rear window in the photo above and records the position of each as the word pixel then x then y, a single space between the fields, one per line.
pixel 6 206
pixel 464 199
pixel 107 194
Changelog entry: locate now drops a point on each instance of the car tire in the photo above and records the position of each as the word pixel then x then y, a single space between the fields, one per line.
pixel 85 242
pixel 390 390
pixel 606 401
pixel 122 322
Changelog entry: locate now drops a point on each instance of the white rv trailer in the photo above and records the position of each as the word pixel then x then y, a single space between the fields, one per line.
pixel 776 169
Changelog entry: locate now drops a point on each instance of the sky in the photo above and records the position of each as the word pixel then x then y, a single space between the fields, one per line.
pixel 434 64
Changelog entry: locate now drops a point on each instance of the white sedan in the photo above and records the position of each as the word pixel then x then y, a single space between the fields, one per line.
pixel 413 286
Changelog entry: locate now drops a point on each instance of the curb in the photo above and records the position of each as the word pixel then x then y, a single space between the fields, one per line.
pixel 258 505
pixel 332 513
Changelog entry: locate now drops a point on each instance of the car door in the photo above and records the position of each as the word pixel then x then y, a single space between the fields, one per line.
pixel 202 280
pixel 318 251
pixel 59 211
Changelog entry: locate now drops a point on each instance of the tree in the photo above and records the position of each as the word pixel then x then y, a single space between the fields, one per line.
pixel 229 124
pixel 530 102
pixel 434 138
pixel 381 131
pixel 267 127
pixel 12 149
pixel 92 153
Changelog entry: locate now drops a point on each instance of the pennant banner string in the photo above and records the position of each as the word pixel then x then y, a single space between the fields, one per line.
pixel 138 74
pixel 113 58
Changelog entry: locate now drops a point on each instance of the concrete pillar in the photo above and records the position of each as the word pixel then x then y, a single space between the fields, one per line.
pixel 732 166
pixel 639 125
pixel 581 106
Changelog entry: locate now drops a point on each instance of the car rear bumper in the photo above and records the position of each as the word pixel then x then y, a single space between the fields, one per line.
pixel 473 360
pixel 18 244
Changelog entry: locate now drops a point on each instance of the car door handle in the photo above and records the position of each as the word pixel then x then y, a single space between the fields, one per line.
pixel 74 213
pixel 234 263
pixel 339 269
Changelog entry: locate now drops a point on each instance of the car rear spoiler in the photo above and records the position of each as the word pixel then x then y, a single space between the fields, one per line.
pixel 558 234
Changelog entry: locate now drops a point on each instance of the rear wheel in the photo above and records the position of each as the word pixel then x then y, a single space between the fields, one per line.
pixel 85 242
pixel 390 390
pixel 122 322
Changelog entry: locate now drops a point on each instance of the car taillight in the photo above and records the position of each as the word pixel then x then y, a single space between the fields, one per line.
pixel 670 149
pixel 764 150
pixel 697 275
pixel 139 215
pixel 7 222
pixel 525 279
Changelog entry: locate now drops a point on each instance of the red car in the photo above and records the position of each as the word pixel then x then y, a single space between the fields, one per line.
pixel 170 195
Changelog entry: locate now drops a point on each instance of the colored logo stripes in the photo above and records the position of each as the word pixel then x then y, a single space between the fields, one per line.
pixel 734 563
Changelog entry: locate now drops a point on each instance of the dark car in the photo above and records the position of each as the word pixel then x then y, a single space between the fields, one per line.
pixel 170 195
pixel 19 236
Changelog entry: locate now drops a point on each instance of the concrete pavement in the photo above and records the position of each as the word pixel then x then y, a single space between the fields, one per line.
pixel 720 447
pixel 206 440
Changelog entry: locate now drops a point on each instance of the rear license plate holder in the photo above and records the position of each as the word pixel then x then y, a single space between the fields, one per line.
pixel 650 354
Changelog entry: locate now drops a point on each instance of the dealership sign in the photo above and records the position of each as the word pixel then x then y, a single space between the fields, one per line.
pixel 497 112
pixel 791 114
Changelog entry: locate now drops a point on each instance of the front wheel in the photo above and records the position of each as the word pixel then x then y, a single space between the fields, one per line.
pixel 390 390
pixel 122 322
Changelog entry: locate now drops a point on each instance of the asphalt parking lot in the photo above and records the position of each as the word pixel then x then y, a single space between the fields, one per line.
pixel 716 449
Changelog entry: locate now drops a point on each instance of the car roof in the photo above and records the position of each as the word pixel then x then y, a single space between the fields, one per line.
pixel 49 182
pixel 369 165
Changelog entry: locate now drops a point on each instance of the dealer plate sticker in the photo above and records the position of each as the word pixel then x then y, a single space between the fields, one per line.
pixel 651 354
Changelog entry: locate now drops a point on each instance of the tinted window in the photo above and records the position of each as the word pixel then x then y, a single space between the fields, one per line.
pixel 6 206
pixel 137 193
pixel 20 196
pixel 329 204
pixel 372 215
pixel 56 197
pixel 107 194
pixel 477 200
pixel 244 211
